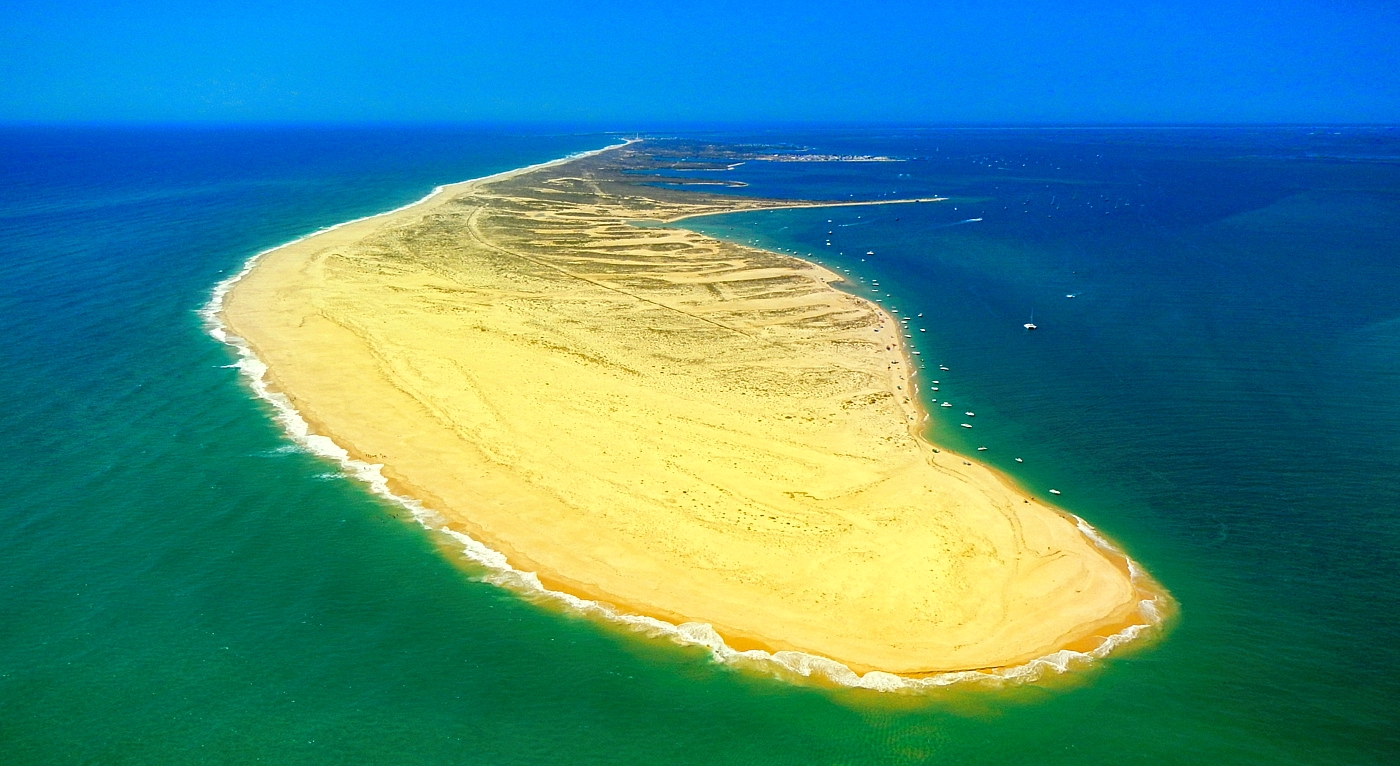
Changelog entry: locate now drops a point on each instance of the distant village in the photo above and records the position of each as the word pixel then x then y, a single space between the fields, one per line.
pixel 822 158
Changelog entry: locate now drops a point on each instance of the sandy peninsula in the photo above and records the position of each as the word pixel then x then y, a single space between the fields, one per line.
pixel 673 425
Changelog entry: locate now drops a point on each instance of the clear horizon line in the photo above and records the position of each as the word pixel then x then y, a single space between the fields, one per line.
pixel 643 126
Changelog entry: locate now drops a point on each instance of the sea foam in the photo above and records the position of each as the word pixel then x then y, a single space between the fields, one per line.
pixel 499 571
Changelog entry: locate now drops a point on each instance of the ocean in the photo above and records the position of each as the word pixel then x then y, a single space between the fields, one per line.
pixel 179 583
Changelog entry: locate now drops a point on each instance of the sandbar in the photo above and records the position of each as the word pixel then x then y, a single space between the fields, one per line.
pixel 669 424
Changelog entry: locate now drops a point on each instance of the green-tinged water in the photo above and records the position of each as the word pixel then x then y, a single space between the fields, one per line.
pixel 180 584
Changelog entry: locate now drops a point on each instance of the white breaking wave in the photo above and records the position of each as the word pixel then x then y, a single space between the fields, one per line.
pixel 501 573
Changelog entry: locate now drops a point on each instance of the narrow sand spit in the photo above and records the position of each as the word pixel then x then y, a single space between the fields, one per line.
pixel 673 426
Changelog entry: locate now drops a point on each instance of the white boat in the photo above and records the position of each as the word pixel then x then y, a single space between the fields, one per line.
pixel 966 425
pixel 946 404
pixel 981 449
pixel 970 414
pixel 1019 460
pixel 941 367
pixel 1031 324
pixel 1054 491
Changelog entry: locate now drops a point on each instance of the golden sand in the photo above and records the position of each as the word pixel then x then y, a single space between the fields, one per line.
pixel 680 427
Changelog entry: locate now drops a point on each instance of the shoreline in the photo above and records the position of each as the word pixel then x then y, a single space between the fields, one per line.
pixel 806 205
pixel 304 431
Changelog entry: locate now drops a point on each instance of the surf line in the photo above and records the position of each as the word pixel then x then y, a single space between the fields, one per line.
pixel 784 663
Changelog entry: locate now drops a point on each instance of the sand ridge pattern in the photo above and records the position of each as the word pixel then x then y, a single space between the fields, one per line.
pixel 680 427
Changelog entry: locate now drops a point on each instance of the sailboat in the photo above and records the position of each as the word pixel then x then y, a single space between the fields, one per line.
pixel 1031 324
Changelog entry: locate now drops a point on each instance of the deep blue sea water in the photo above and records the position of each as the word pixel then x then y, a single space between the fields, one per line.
pixel 1222 397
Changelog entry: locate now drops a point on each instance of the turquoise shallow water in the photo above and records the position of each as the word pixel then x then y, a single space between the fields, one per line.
pixel 179 584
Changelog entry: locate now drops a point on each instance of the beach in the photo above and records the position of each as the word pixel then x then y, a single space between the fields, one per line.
pixel 191 569
pixel 670 425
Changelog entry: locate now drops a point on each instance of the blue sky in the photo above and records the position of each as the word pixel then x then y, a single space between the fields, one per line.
pixel 634 64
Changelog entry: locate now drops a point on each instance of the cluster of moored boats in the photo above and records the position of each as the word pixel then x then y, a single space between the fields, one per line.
pixel 968 413
pixel 906 332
